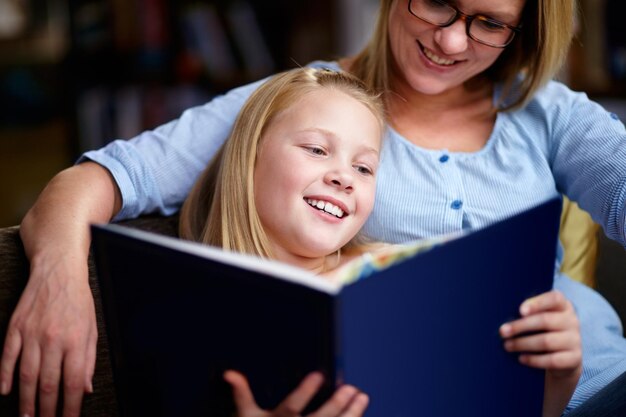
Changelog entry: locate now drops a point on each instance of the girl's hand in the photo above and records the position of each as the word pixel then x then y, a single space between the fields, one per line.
pixel 347 401
pixel 548 337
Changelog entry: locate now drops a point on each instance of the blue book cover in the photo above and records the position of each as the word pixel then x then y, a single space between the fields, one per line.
pixel 418 331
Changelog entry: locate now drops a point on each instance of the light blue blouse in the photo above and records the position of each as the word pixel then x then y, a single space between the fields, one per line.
pixel 561 142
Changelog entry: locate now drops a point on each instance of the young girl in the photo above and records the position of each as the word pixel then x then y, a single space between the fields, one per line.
pixel 295 182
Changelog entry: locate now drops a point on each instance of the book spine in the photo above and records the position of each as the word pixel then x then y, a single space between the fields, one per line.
pixel 337 377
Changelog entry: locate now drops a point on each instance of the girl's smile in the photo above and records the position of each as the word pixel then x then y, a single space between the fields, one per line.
pixel 314 179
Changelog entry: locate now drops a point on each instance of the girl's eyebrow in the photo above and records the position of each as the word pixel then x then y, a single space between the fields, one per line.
pixel 319 130
pixel 332 135
pixel 369 149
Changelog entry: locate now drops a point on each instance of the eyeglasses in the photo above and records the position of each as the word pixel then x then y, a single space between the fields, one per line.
pixel 480 28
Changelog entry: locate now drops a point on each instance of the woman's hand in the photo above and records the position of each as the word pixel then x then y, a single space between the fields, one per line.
pixel 53 329
pixel 347 401
pixel 548 337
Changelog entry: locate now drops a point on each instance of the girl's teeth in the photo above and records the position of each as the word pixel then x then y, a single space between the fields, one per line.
pixel 326 206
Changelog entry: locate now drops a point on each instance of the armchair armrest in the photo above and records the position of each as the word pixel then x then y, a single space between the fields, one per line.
pixel 14 268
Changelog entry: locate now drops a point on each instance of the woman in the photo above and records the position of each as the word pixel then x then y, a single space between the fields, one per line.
pixel 476 133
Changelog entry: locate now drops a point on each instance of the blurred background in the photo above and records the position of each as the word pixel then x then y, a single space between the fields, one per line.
pixel 76 74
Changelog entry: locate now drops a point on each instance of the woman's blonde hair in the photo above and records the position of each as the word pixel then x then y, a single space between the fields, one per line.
pixel 220 210
pixel 536 53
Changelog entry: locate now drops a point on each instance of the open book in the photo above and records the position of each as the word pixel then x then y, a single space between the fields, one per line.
pixel 417 330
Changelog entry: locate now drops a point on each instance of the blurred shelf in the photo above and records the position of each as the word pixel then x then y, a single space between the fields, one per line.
pixel 29 157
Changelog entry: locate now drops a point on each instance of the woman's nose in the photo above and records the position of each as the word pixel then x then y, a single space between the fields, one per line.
pixel 452 39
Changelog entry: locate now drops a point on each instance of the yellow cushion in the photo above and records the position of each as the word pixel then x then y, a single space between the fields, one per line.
pixel 579 236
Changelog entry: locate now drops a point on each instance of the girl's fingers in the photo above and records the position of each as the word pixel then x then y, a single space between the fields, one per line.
pixel 242 395
pixel 347 401
pixel 357 406
pixel 291 406
pixel 298 399
pixel 339 402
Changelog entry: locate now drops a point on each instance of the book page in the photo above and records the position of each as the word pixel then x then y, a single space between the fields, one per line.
pixel 266 267
pixel 383 257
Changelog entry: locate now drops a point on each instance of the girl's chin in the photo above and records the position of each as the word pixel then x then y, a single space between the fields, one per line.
pixel 321 251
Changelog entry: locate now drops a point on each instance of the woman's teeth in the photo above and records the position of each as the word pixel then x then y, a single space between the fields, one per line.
pixel 437 59
pixel 326 206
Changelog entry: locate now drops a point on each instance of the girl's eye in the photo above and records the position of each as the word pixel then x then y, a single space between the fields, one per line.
pixel 316 150
pixel 361 169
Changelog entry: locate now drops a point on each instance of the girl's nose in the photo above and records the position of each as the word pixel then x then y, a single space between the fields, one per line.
pixel 341 179
pixel 452 39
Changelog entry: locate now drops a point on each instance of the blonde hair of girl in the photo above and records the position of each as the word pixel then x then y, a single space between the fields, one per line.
pixel 220 210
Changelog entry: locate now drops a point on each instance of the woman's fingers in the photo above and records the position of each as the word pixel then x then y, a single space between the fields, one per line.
pixel 49 381
pixel 551 300
pixel 543 342
pixel 74 365
pixel 539 323
pixel 29 375
pixel 53 328
pixel 550 311
pixel 566 360
pixel 90 360
pixel 547 335
pixel 12 348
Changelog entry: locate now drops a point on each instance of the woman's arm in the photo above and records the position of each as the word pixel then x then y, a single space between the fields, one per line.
pixel 53 328
pixel 548 337
pixel 587 153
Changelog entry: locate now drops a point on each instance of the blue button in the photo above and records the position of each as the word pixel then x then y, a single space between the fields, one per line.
pixel 456 204
pixel 444 158
pixel 614 116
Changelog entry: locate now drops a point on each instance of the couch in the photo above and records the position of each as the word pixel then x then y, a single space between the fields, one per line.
pixel 13 278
